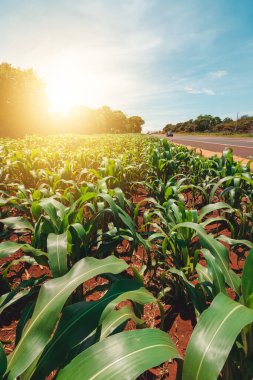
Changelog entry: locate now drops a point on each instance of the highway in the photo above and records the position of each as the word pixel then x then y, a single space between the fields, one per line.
pixel 242 147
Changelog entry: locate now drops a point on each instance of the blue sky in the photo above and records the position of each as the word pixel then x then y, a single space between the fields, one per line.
pixel 165 60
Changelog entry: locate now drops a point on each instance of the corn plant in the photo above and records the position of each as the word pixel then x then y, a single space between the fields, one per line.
pixel 177 243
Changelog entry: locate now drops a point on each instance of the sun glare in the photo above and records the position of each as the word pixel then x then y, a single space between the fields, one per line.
pixel 62 98
pixel 68 87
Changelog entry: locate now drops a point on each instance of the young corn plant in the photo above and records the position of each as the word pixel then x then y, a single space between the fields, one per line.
pixel 178 243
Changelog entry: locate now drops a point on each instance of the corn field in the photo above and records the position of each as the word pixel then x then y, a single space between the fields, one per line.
pixel 114 226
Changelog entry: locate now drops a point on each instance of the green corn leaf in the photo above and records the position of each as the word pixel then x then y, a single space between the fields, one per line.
pixel 218 250
pixel 126 220
pixel 213 338
pixel 55 210
pixel 112 205
pixel 232 242
pixel 219 219
pixel 220 182
pixel 17 223
pixel 79 320
pixel 249 302
pixel 140 296
pixel 194 187
pixel 52 296
pixel 76 237
pixel 203 274
pixel 195 293
pixel 216 273
pixel 9 247
pixel 116 318
pixel 25 316
pixel 57 254
pixel 247 277
pixel 43 228
pixel 25 289
pixel 130 353
pixel 3 361
pixel 213 207
pixel 3 201
pixel 36 210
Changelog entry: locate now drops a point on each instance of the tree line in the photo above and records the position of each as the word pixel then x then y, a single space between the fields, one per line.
pixel 24 109
pixel 212 124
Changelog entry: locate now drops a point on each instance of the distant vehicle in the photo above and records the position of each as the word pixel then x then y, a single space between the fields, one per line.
pixel 169 134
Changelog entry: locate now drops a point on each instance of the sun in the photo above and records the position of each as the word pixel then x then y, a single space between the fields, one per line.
pixel 68 86
pixel 63 96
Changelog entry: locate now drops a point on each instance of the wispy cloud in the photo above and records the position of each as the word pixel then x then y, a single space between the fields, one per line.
pixel 195 91
pixel 219 73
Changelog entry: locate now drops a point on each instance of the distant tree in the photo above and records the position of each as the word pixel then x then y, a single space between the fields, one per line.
pixel 203 122
pixel 216 120
pixel 135 123
pixel 102 120
pixel 227 120
pixel 206 122
pixel 118 123
pixel 23 101
pixel 105 117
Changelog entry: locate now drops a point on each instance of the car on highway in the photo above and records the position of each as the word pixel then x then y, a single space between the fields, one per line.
pixel 169 134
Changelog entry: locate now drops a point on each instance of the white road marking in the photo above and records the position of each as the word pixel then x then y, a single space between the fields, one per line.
pixel 208 142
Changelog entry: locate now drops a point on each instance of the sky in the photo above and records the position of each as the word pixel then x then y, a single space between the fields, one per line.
pixel 165 60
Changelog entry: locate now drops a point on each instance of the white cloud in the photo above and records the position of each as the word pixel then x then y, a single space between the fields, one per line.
pixel 192 90
pixel 219 73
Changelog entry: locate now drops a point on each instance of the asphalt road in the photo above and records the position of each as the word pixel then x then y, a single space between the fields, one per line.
pixel 242 147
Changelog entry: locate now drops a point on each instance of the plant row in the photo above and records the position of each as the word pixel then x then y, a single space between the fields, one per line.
pixel 66 209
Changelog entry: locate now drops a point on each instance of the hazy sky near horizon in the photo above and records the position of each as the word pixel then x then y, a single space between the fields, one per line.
pixel 164 60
